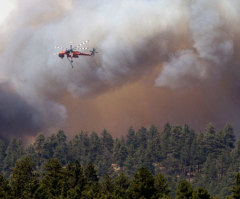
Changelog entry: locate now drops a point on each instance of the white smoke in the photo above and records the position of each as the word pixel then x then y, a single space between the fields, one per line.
pixel 191 40
pixel 212 43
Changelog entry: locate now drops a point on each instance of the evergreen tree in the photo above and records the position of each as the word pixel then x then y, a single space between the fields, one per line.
pixel 90 174
pixel 130 166
pixel 212 145
pixel 119 153
pixel 14 151
pixel 161 185
pixel 236 187
pixel 23 181
pixel 166 138
pixel 92 189
pixel 107 140
pixel 5 190
pixel 131 141
pixel 3 148
pixel 142 185
pixel 201 193
pixel 184 190
pixel 121 184
pixel 210 170
pixel 60 150
pixel 96 148
pixel 208 160
pixel 107 187
pixel 142 136
pixel 130 137
pixel 229 137
pixel 152 133
pixel 74 180
pixel 53 178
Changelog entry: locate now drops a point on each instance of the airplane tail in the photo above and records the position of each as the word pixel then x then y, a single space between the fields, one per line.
pixel 93 52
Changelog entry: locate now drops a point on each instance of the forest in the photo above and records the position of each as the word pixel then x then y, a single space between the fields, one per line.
pixel 172 162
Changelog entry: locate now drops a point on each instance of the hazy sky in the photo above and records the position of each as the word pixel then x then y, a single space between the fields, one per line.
pixel 160 61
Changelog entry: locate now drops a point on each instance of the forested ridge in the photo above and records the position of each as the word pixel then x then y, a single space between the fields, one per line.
pixel 175 157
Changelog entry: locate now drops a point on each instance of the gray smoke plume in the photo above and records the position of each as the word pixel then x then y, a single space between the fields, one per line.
pixel 212 32
pixel 19 116
pixel 194 45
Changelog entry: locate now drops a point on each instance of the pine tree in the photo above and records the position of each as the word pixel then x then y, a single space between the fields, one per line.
pixel 5 190
pixel 141 136
pixel 161 185
pixel 229 137
pixel 23 181
pixel 236 187
pixel 107 140
pixel 184 190
pixel 90 174
pixel 53 179
pixel 107 187
pixel 142 185
pixel 3 148
pixel 92 188
pixel 201 193
pixel 119 152
pixel 130 137
pixel 166 138
pixel 75 180
pixel 60 150
pixel 121 184
pixel 14 151
pixel 152 133
pixel 96 148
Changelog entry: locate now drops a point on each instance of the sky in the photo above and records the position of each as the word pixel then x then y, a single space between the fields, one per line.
pixel 159 61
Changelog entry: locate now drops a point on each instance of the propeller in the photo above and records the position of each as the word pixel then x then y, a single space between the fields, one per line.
pixel 78 47
pixel 83 43
pixel 59 47
pixel 82 48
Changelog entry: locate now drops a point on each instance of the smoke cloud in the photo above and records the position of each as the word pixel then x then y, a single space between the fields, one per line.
pixel 159 61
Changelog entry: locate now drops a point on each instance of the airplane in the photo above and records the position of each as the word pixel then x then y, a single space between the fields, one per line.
pixel 73 52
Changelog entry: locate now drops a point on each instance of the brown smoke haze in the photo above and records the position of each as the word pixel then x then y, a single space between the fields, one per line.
pixel 160 61
pixel 138 104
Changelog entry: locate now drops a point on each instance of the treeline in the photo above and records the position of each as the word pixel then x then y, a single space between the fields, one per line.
pixel 208 159
pixel 74 181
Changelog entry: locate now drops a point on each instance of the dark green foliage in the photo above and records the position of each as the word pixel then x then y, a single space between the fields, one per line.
pixel 142 185
pixel 52 180
pixel 90 174
pixel 60 151
pixel 120 152
pixel 73 181
pixel 23 181
pixel 107 140
pixel 184 190
pixel 14 151
pixel 3 147
pixel 95 148
pixel 207 159
pixel 201 193
pixel 236 187
pixel 107 187
pixel 228 137
pixel 131 139
pixel 121 184
pixel 5 190
pixel 161 185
